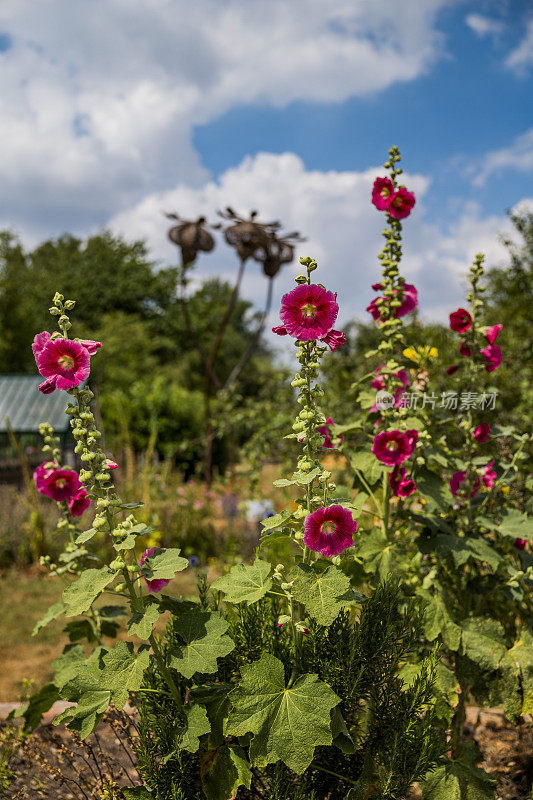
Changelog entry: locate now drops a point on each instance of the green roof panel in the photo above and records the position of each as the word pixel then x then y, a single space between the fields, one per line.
pixel 25 407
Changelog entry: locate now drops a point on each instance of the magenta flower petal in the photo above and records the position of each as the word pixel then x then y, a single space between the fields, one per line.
pixel 520 544
pixel 39 342
pixel 460 320
pixel 334 339
pixel 393 447
pixel 56 482
pixel 464 350
pixel 281 330
pixel 79 503
pixel 47 386
pixel 309 312
pixel 382 193
pixel 409 300
pixel 401 203
pixel 65 361
pixel 482 432
pixel 90 345
pixel 401 486
pixel 491 334
pixel 329 530
pixel 493 357
pixel 158 583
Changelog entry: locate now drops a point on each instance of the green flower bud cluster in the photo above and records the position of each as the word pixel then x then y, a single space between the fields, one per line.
pixel 58 309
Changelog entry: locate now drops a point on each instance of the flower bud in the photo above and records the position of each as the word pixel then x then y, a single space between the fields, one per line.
pixel 120 587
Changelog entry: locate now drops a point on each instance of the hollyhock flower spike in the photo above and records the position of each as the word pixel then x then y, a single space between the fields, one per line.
pixel 401 204
pixel 330 530
pixel 382 192
pixel 309 312
pixel 493 357
pixel 64 362
pixel 159 583
pixel 491 334
pixel 79 503
pixel 394 447
pixel 460 320
pixel 482 432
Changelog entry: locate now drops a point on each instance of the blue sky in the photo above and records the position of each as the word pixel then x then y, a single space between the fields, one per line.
pixel 115 110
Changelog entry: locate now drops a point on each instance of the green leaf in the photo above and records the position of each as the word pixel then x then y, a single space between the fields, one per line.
pixel 216 701
pixel 136 792
pixel 80 629
pixel 515 524
pixel 34 708
pixel 228 771
pixel 483 641
pixel 79 596
pixel 376 553
pixel 108 612
pixel 123 671
pixel 50 615
pixel 84 717
pixel 245 583
pixel 85 536
pixel 438 621
pixel 461 549
pixel 460 779
pixel 518 663
pixel 142 622
pixel 67 665
pixel 340 732
pixel 434 490
pixel 287 723
pixel 299 478
pixel 205 642
pixel 276 521
pixel 321 593
pixel 163 564
pixel 197 724
pixel 367 463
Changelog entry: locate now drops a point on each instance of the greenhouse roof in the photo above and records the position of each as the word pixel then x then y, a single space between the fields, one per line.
pixel 25 407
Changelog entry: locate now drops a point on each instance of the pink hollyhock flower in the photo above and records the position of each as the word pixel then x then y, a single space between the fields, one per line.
pixel 393 447
pixel 377 287
pixel 493 357
pixel 401 485
pixel 401 203
pixel 159 583
pixel 453 369
pixel 374 309
pixel 326 433
pixel 79 503
pixel 56 482
pixel 90 345
pixel 409 301
pixel 482 432
pixel 464 349
pixel 309 312
pixel 520 544
pixel 459 478
pixel 382 192
pixel 329 530
pixel 491 334
pixel 460 320
pixel 64 362
pixel 409 296
pixel 488 475
pixel 334 339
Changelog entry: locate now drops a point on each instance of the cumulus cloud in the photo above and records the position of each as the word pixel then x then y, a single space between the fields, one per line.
pixel 484 26
pixel 516 156
pixel 521 58
pixel 333 210
pixel 99 100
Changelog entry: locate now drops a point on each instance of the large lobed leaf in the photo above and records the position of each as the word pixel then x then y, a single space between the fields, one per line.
pixel 287 722
pixel 204 635
pixel 245 583
pixel 322 593
pixel 80 595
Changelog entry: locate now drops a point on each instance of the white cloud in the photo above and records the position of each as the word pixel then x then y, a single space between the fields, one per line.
pixel 516 156
pixel 99 99
pixel 484 26
pixel 333 209
pixel 521 57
